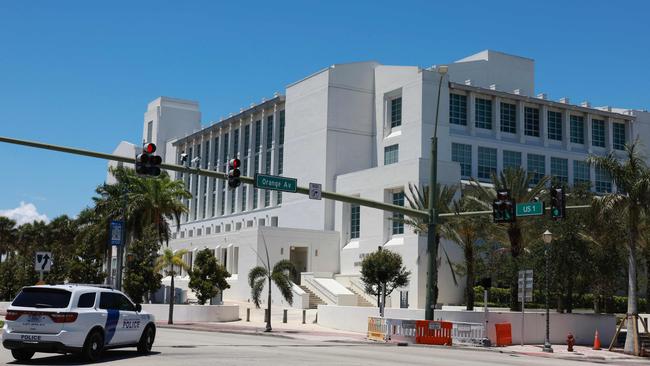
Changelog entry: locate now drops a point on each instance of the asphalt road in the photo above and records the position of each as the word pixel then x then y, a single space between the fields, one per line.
pixel 193 348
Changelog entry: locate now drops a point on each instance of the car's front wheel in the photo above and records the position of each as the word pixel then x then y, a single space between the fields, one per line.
pixel 93 346
pixel 22 354
pixel 146 340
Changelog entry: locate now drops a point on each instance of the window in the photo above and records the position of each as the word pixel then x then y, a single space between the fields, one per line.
pixel 391 154
pixel 536 167
pixel 560 169
pixel 618 136
pixel 115 301
pixel 577 129
pixel 531 121
pixel 243 198
pixel 256 161
pixel 508 118
pixel 355 221
pixel 511 159
pixel 235 261
pixel 232 201
pixel 458 109
pixel 398 225
pixel 483 113
pixel 555 125
pixel 598 132
pixel 223 198
pixel 396 112
pixel 603 181
pixel 42 298
pixel 462 154
pixel 149 131
pixel 281 151
pixel 86 300
pixel 581 172
pixel 487 162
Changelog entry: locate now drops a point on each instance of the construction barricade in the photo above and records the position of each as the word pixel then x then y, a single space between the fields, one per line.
pixel 504 334
pixel 401 330
pixel 433 332
pixel 469 333
pixel 377 329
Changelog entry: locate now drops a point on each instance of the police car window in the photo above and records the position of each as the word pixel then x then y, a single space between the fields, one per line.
pixel 125 304
pixel 34 297
pixel 109 300
pixel 86 300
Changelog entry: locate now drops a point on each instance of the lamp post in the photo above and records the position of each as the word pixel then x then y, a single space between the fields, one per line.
pixel 432 245
pixel 547 236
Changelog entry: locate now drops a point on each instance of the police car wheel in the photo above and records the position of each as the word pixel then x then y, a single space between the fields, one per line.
pixel 146 340
pixel 93 347
pixel 22 354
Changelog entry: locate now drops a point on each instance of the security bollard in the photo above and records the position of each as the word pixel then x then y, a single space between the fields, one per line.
pixel 284 316
pixel 248 314
pixel 266 315
pixel 304 316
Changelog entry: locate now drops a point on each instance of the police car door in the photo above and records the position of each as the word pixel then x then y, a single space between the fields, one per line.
pixel 130 326
pixel 115 332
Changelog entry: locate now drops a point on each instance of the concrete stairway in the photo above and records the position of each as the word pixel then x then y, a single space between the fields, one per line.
pixel 314 300
pixel 361 300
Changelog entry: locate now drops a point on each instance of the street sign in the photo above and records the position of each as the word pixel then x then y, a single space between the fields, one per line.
pixel 530 209
pixel 525 285
pixel 117 228
pixel 315 190
pixel 276 183
pixel 43 261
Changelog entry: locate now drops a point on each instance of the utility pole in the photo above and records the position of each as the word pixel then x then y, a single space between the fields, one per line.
pixel 432 243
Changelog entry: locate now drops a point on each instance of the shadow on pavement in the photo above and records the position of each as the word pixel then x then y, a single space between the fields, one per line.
pixel 108 356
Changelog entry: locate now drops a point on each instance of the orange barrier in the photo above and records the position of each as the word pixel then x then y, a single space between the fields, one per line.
pixel 504 334
pixel 433 332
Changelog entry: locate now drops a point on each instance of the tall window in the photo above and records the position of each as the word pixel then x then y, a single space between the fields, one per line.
pixel 391 154
pixel 483 113
pixel 224 161
pixel 618 136
pixel 232 201
pixel 269 156
pixel 531 121
pixel 281 151
pixel 560 169
pixel 396 112
pixel 462 154
pixel 206 162
pixel 256 160
pixel 355 221
pixel 603 181
pixel 458 109
pixel 536 167
pixel 598 132
pixel 577 129
pixel 215 165
pixel 487 162
pixel 244 163
pixel 508 118
pixel 511 159
pixel 398 225
pixel 555 125
pixel 195 188
pixel 235 143
pixel 224 156
pixel 581 172
pixel 149 131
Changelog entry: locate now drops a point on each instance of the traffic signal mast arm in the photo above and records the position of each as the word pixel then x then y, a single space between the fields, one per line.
pixel 210 173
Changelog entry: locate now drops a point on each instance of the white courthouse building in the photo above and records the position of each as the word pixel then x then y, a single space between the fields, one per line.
pixel 364 129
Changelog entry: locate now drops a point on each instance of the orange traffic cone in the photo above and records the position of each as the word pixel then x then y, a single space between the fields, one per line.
pixel 596 341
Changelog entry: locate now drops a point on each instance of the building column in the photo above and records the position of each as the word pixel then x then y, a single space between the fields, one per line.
pixel 212 183
pixel 496 117
pixel 262 167
pixel 610 134
pixel 589 132
pixel 238 195
pixel 521 127
pixel 566 130
pixel 218 167
pixel 543 124
pixel 471 115
pixel 229 155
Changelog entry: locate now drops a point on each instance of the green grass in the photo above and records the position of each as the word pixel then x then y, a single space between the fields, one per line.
pixel 2 323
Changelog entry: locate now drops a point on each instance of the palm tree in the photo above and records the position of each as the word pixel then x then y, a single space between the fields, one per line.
pixel 169 259
pixel 279 275
pixel 632 202
pixel 8 233
pixel 418 199
pixel 518 183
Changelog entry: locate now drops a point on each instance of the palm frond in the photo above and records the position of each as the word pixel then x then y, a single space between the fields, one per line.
pixel 284 285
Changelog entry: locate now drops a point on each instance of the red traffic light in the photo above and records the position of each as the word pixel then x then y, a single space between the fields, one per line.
pixel 149 148
pixel 235 163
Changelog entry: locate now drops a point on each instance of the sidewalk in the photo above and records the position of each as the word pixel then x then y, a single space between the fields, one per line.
pixel 580 353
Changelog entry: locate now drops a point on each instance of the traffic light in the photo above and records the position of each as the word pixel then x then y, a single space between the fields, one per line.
pixel 558 203
pixel 146 163
pixel 503 208
pixel 234 173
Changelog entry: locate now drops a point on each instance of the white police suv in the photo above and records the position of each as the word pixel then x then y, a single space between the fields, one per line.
pixel 69 318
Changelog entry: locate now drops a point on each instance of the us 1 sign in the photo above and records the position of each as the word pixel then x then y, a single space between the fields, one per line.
pixel 530 209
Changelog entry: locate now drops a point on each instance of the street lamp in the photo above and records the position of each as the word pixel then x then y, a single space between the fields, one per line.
pixel 547 236
pixel 432 247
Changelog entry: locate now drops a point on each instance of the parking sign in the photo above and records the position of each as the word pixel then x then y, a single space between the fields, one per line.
pixel 117 227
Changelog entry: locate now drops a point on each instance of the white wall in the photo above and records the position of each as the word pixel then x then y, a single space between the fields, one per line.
pixel 194 313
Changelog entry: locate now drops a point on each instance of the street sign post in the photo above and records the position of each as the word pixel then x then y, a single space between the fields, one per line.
pixel 117 229
pixel 42 263
pixel 315 190
pixel 276 183
pixel 525 293
pixel 530 209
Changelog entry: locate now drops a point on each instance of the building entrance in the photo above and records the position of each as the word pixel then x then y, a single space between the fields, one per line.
pixel 299 257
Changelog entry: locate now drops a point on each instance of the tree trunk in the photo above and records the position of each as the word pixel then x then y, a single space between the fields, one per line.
pixel 514 236
pixel 383 300
pixel 109 264
pixel 170 320
pixel 435 272
pixel 268 309
pixel 632 337
pixel 469 278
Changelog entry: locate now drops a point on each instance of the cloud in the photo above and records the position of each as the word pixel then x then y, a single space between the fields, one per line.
pixel 23 214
